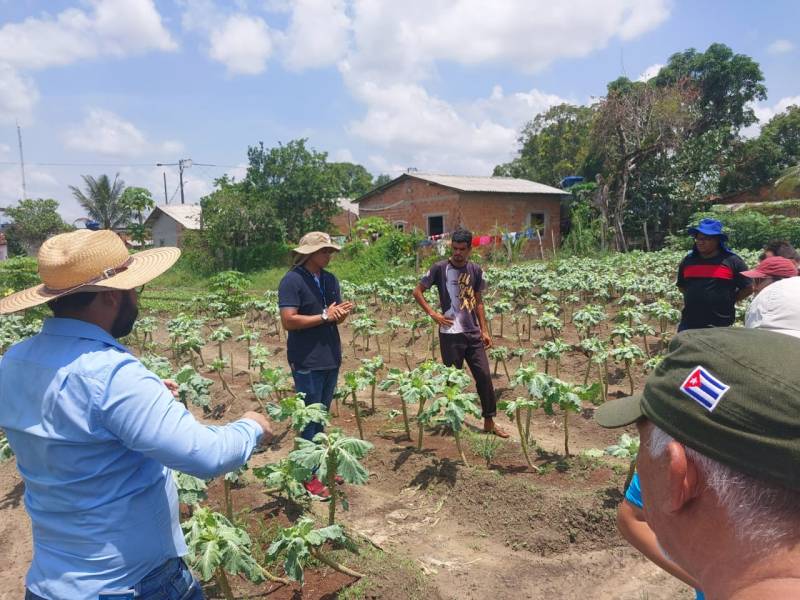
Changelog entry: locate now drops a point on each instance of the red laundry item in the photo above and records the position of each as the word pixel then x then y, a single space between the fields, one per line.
pixel 476 241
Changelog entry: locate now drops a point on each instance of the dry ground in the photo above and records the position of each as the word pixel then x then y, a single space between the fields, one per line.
pixel 436 528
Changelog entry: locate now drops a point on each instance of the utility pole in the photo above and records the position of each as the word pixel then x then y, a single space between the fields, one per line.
pixel 182 164
pixel 21 162
pixel 166 198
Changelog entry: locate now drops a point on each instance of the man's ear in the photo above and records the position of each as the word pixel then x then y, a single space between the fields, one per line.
pixel 683 477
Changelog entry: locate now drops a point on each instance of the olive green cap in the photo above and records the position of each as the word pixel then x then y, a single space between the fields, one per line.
pixel 732 394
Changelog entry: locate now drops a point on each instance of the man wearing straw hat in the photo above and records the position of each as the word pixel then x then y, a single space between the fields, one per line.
pixel 311 308
pixel 96 434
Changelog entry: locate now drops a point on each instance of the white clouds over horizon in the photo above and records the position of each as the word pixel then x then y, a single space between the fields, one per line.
pixel 780 47
pixel 243 44
pixel 104 133
pixel 650 72
pixel 113 27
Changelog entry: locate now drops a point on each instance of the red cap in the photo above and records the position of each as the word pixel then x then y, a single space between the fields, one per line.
pixel 774 266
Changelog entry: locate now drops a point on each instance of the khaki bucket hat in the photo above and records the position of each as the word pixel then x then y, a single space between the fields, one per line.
pixel 89 261
pixel 316 240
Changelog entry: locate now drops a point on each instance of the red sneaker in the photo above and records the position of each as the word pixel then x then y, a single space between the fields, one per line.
pixel 315 487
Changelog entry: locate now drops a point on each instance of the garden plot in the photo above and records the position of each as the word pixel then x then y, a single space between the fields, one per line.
pixel 436 508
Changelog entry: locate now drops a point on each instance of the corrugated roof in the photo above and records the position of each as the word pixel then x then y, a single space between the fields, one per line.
pixel 187 215
pixel 499 185
pixel 506 185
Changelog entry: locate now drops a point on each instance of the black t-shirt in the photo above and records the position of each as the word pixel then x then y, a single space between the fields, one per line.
pixel 316 348
pixel 710 286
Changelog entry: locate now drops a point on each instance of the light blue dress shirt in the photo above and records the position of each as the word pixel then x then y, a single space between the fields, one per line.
pixel 95 435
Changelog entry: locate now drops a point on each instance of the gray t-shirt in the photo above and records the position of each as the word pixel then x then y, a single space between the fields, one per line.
pixel 457 293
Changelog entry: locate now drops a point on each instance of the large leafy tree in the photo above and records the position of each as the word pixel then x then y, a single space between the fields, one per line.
pixel 297 183
pixel 635 123
pixel 237 221
pixel 553 145
pixel 34 220
pixel 757 161
pixel 727 83
pixel 352 180
pixel 102 200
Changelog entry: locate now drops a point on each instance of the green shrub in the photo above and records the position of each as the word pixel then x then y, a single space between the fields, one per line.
pixel 18 273
pixel 745 228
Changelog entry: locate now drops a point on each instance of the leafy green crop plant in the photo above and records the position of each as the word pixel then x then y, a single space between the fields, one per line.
pixel 301 542
pixel 331 454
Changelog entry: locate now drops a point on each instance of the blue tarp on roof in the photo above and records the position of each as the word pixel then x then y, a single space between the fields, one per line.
pixel 570 181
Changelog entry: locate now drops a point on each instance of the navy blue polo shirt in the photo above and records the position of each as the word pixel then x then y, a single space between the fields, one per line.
pixel 316 348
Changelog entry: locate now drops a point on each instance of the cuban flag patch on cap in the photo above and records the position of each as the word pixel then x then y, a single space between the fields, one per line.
pixel 704 388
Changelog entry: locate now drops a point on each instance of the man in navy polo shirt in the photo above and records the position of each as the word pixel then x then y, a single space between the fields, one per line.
pixel 711 279
pixel 311 308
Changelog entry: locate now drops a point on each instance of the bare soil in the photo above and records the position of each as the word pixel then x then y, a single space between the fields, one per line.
pixel 428 526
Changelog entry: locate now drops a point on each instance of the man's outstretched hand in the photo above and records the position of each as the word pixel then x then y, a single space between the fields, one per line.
pixel 266 426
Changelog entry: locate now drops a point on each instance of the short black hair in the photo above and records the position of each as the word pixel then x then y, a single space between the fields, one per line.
pixel 781 248
pixel 71 303
pixel 462 236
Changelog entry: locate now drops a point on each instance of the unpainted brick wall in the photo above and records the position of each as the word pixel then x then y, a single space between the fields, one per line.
pixel 411 201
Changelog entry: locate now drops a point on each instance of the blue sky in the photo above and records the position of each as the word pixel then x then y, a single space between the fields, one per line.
pixel 114 86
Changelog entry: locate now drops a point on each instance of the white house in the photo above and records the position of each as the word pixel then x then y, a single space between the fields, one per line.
pixel 167 223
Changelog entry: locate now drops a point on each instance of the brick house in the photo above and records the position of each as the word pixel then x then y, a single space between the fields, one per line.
pixel 436 204
pixel 343 221
pixel 167 223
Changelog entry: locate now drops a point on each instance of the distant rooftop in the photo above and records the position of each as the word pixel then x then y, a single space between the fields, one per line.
pixel 187 215
pixel 503 185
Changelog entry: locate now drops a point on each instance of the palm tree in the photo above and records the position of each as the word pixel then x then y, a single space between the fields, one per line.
pixel 103 200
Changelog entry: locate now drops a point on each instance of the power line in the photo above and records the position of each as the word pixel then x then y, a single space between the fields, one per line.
pixel 70 164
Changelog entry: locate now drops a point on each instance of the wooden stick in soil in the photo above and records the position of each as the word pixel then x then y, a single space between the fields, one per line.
pixel 420 425
pixel 405 418
pixel 505 368
pixel 357 412
pixel 335 565
pixel 222 582
pixel 374 383
pixel 566 432
pixel 226 487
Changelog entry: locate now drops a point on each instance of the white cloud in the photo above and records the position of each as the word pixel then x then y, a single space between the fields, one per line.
pixel 432 134
pixel 18 95
pixel 780 47
pixel 406 39
pixel 764 112
pixel 243 44
pixel 103 132
pixel 318 34
pixel 650 72
pixel 110 27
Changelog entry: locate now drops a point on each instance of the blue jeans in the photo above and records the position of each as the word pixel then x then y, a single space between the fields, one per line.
pixel 318 386
pixel 171 581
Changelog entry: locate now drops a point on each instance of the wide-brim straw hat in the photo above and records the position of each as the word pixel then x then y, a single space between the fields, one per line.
pixel 89 261
pixel 316 240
